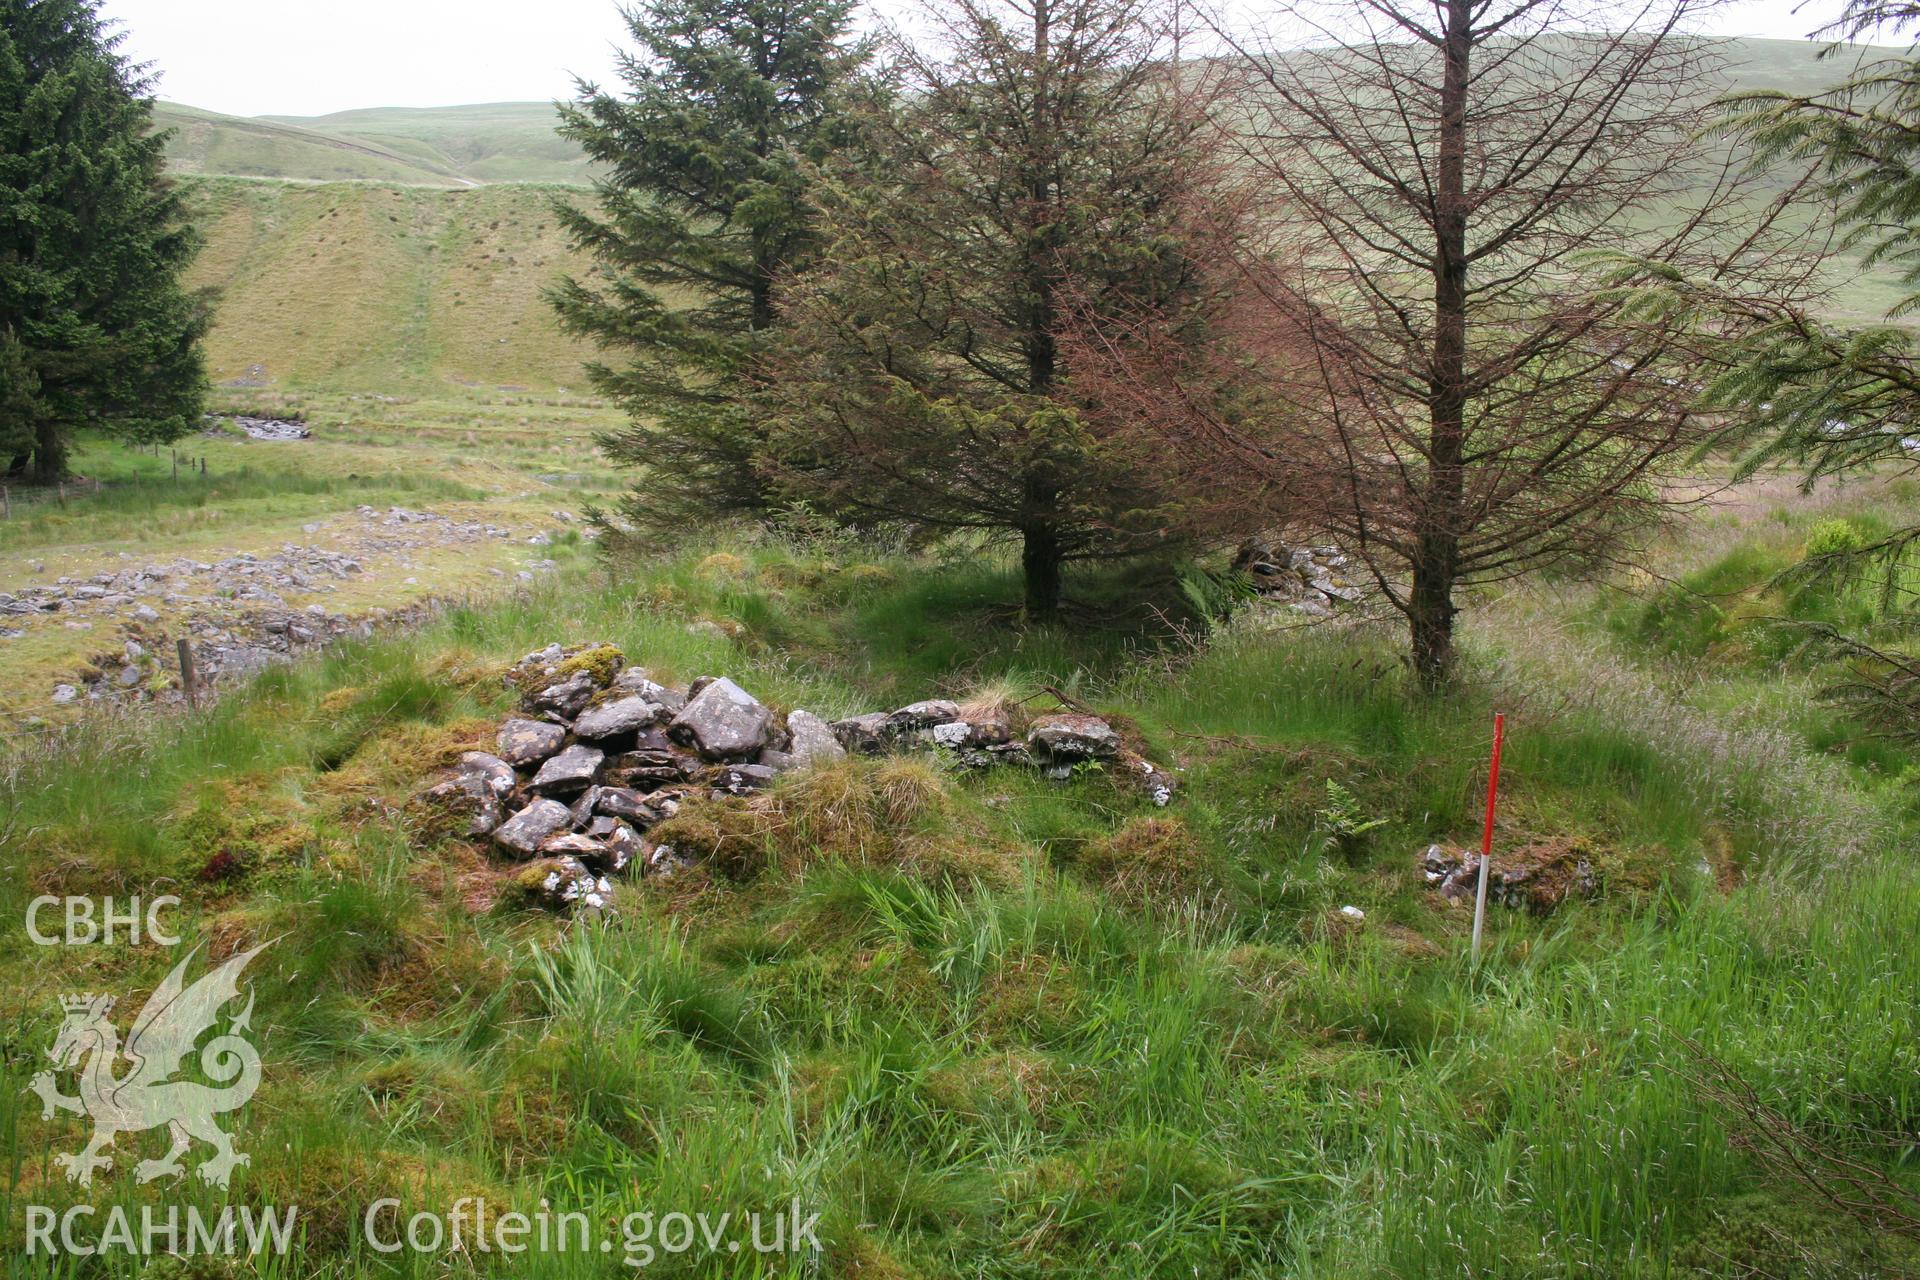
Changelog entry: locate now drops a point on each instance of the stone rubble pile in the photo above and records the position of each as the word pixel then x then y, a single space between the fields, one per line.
pixel 234 609
pixel 270 428
pixel 599 753
pixel 1310 580
pixel 185 582
pixel 1538 876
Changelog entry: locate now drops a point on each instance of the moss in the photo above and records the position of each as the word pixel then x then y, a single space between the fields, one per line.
pixel 243 825
pixel 1764 1235
pixel 1014 1087
pixel 328 1174
pixel 531 1120
pixel 195 1267
pixel 464 669
pixel 431 1092
pixel 857 1253
pixel 525 888
pixel 897 812
pixel 390 764
pixel 817 1091
pixel 342 699
pixel 729 836
pixel 601 663
pixel 1031 999
pixel 423 983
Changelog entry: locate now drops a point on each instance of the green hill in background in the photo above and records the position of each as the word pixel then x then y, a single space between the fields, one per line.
pixel 431 146
pixel 487 142
pixel 368 287
pixel 497 142
pixel 404 250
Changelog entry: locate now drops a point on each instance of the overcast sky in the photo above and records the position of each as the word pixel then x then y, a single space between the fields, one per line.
pixel 310 57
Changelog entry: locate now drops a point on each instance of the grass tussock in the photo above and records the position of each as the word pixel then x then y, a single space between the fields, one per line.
pixel 898 813
pixel 1153 862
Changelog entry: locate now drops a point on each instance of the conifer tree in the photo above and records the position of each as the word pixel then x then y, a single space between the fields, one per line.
pixel 96 329
pixel 1427 357
pixel 702 208
pixel 1837 398
pixel 1029 169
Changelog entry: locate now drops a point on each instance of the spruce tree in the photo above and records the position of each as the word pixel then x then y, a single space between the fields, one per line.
pixel 96 329
pixel 702 208
pixel 1026 173
pixel 1837 399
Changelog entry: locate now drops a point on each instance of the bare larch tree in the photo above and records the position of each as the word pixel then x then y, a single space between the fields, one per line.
pixel 1442 359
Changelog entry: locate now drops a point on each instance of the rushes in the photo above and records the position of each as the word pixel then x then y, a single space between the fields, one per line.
pixel 1740 765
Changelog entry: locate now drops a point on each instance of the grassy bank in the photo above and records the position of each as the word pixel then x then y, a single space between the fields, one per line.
pixel 988 1024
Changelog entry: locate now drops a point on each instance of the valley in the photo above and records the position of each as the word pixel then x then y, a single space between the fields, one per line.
pixel 559 855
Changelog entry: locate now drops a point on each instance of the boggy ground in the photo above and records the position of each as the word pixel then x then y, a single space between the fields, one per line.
pixel 993 1023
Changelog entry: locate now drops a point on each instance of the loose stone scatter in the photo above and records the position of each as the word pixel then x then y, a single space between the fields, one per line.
pixel 235 609
pixel 600 753
pixel 1538 875
pixel 1311 580
pixel 266 428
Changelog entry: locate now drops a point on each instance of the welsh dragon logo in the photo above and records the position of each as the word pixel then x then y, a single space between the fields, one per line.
pixel 146 1097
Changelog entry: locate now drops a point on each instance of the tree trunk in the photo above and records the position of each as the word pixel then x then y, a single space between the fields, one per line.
pixel 766 270
pixel 49 453
pixel 1438 516
pixel 1041 553
pixel 1430 614
pixel 1040 563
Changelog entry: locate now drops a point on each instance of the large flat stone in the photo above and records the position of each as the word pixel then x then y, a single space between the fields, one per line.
pixel 636 680
pixel 628 804
pixel 497 773
pixel 468 802
pixel 616 719
pixel 863 735
pixel 567 697
pixel 922 715
pixel 813 740
pixel 1068 736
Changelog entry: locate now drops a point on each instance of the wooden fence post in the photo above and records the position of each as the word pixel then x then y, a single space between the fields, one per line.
pixel 189 680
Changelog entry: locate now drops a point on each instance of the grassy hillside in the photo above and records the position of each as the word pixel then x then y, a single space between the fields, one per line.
pixel 206 142
pixel 394 282
pixel 485 142
pixel 437 146
pixel 515 141
pixel 990 1025
pixel 1791 66
pixel 357 286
